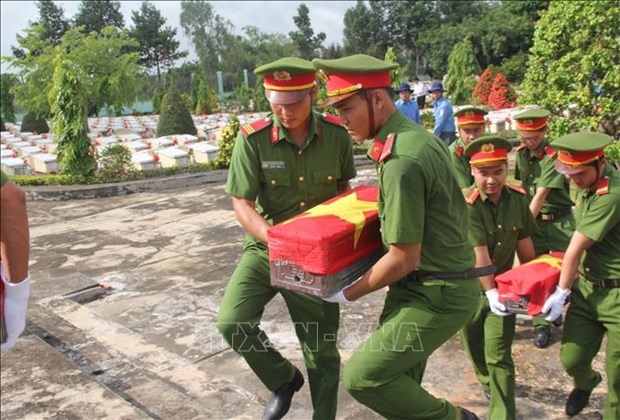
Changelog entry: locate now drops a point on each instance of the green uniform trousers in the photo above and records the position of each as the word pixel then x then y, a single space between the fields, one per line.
pixel 418 317
pixel 488 342
pixel 553 235
pixel 315 322
pixel 592 312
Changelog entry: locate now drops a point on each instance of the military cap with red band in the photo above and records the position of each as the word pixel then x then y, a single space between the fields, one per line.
pixel 487 150
pixel 470 115
pixel 287 80
pixel 532 119
pixel 348 75
pixel 577 150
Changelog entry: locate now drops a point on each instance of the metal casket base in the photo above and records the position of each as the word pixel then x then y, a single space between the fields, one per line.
pixel 291 277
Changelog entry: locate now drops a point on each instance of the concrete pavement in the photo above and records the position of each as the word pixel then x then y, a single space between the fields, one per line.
pixel 121 324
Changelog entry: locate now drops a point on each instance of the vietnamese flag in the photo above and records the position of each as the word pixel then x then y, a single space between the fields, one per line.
pixel 535 280
pixel 330 236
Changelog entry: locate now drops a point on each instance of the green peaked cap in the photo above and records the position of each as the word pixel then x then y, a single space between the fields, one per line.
pixel 532 114
pixel 293 65
pixel 358 63
pixel 585 141
pixel 497 142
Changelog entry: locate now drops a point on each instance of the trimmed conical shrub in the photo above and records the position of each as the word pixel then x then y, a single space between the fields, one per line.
pixel 175 117
pixel 34 123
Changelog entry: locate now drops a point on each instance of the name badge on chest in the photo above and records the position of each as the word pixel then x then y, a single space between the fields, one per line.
pixel 272 164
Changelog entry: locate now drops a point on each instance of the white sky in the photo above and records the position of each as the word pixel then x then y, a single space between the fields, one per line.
pixel 268 16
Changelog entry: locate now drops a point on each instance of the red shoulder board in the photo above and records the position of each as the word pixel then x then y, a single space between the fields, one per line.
pixel 252 128
pixel 517 189
pixel 472 196
pixel 550 152
pixel 375 150
pixel 387 147
pixel 602 186
pixel 459 150
pixel 520 147
pixel 331 118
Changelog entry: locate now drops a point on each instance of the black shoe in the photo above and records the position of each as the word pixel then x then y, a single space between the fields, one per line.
pixel 577 400
pixel 487 394
pixel 466 414
pixel 281 398
pixel 542 337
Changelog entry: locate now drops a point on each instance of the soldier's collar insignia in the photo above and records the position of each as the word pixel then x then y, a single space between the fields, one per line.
pixel 282 75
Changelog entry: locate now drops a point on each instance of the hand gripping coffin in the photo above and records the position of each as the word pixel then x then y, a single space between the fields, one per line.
pixel 321 250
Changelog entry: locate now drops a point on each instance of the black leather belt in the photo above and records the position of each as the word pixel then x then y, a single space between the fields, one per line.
pixel 471 273
pixel 547 217
pixel 605 284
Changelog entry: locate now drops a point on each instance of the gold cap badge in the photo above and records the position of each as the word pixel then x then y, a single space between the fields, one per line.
pixel 282 75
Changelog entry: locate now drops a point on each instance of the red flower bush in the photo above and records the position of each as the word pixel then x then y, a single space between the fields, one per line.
pixel 502 95
pixel 480 95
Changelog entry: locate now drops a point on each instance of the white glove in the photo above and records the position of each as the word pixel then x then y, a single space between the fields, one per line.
pixel 554 303
pixel 15 306
pixel 337 297
pixel 497 307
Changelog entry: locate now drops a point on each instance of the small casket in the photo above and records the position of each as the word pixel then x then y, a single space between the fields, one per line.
pixel 44 163
pixel 203 152
pixel 322 250
pixel 14 166
pixel 145 160
pixel 525 288
pixel 172 156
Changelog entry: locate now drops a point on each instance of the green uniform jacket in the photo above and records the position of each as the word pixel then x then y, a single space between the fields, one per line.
pixel 419 197
pixel 598 218
pixel 284 179
pixel 500 227
pixel 537 170
pixel 460 164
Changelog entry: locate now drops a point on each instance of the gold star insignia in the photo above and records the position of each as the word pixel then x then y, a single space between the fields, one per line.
pixel 554 262
pixel 282 75
pixel 349 208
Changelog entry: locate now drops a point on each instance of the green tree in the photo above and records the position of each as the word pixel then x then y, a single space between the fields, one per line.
pixel 307 43
pixel 34 122
pixel 158 47
pixel 110 80
pixel 358 32
pixel 96 15
pixel 395 74
pixel 75 151
pixel 462 71
pixel 7 99
pixel 573 66
pixel 208 32
pixel 52 17
pixel 175 117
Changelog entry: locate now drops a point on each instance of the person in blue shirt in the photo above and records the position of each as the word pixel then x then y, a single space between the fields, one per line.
pixel 410 108
pixel 445 128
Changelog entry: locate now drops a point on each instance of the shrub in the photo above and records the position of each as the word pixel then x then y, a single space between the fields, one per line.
pixel 115 163
pixel 612 153
pixel 227 143
pixel 480 95
pixel 175 117
pixel 462 70
pixel 34 123
pixel 502 94
pixel 2 127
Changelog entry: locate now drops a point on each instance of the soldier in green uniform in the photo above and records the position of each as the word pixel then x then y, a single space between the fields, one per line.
pixel 548 190
pixel 282 166
pixel 470 125
pixel 590 271
pixel 428 264
pixel 500 223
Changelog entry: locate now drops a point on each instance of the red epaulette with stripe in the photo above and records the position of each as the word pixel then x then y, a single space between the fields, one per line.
pixel 459 150
pixel 602 186
pixel 375 150
pixel 472 196
pixel 387 147
pixel 520 147
pixel 331 118
pixel 550 152
pixel 252 128
pixel 517 189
